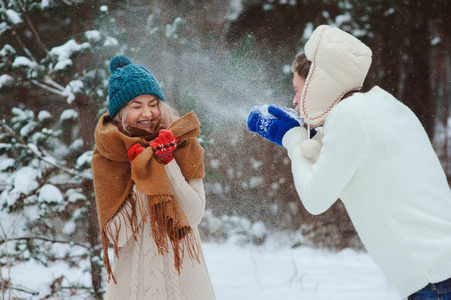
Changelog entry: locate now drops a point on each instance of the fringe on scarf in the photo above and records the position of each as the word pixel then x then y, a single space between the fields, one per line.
pixel 169 228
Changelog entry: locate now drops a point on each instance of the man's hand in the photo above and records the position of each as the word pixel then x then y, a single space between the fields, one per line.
pixel 274 122
pixel 164 145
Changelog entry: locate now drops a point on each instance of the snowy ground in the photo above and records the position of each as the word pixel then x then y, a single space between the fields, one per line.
pixel 267 272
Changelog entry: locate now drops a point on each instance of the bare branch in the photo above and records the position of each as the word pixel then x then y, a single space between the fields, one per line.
pixel 48 88
pixel 35 33
pixel 8 261
pixel 45 239
pixel 49 80
pixel 5 58
pixel 25 49
pixel 24 290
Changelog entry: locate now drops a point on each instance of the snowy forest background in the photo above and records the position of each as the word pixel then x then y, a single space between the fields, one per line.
pixel 218 58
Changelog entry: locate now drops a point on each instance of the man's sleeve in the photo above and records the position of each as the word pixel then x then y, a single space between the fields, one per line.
pixel 345 144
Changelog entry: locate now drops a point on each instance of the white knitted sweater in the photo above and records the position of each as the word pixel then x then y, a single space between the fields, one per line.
pixel 377 158
pixel 142 273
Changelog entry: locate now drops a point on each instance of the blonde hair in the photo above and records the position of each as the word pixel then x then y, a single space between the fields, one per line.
pixel 168 115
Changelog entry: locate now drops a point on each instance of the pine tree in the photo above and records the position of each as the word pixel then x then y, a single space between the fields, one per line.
pixel 57 76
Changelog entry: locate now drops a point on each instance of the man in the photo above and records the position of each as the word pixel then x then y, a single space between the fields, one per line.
pixel 374 155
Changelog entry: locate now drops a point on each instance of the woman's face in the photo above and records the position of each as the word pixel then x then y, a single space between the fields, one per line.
pixel 143 112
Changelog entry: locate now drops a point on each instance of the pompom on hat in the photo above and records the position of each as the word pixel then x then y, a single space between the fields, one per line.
pixel 128 81
pixel 339 64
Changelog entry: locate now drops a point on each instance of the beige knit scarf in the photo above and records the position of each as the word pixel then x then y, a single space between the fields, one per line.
pixel 114 177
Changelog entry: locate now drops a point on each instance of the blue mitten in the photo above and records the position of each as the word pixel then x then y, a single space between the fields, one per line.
pixel 272 122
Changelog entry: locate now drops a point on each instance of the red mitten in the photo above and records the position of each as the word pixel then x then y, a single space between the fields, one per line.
pixel 164 145
pixel 134 151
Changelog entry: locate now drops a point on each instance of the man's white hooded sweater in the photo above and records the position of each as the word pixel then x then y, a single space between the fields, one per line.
pixel 377 158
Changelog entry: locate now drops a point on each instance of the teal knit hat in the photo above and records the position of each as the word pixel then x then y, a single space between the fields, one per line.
pixel 128 81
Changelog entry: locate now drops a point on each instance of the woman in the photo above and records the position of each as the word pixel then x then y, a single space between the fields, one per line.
pixel 375 156
pixel 148 170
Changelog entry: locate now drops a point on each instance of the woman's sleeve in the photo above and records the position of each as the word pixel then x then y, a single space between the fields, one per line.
pixel 119 227
pixel 191 195
pixel 345 143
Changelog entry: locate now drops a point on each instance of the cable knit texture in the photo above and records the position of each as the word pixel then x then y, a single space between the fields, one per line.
pixel 377 158
pixel 128 81
pixel 142 273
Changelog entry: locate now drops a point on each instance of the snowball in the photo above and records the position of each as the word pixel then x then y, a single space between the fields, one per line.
pixel 50 193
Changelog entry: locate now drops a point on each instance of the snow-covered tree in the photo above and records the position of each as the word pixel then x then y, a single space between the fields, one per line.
pixel 58 80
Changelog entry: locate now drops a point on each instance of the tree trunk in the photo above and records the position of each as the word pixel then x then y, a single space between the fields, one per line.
pixel 416 88
pixel 93 239
pixel 87 113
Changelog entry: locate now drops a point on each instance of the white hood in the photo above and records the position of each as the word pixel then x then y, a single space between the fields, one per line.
pixel 340 63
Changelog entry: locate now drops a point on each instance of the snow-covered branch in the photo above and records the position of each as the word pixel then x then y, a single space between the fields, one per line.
pixel 34 149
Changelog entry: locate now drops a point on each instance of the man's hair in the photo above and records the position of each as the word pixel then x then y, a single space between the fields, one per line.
pixel 301 65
